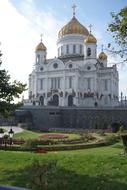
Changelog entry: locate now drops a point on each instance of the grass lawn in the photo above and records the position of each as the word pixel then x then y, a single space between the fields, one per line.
pixel 90 169
pixel 27 134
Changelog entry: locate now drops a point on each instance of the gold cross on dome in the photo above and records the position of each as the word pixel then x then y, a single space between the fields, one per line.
pixel 90 26
pixel 74 7
pixel 41 37
pixel 102 46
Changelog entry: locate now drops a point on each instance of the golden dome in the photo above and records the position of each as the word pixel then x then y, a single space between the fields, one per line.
pixel 41 47
pixel 102 56
pixel 90 39
pixel 73 27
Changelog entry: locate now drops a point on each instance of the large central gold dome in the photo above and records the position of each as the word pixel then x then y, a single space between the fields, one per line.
pixel 73 27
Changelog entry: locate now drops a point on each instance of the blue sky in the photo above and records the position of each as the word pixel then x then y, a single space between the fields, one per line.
pixel 22 22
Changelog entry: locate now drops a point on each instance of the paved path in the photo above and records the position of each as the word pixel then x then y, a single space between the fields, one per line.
pixel 11 188
pixel 15 128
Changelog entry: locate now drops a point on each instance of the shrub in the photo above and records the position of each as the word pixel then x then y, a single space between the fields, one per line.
pixel 101 132
pixel 30 144
pixel 86 137
pixel 112 139
pixel 121 129
pixel 124 140
pixel 40 174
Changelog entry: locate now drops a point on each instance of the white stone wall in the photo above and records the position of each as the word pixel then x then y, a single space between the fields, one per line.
pixel 88 86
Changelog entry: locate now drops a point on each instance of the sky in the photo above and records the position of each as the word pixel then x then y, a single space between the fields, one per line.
pixel 22 22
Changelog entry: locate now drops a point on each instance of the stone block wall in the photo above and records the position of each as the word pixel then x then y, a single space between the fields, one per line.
pixel 84 118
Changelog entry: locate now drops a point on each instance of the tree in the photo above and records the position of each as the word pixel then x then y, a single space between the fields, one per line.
pixel 118 28
pixel 8 92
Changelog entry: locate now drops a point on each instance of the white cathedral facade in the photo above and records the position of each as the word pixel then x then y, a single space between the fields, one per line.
pixel 77 76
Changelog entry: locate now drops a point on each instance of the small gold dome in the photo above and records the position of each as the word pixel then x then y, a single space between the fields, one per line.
pixel 90 39
pixel 41 47
pixel 73 27
pixel 102 56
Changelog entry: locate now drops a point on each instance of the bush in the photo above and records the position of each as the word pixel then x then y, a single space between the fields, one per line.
pixel 112 139
pixel 124 140
pixel 40 174
pixel 30 144
pixel 121 129
pixel 86 137
pixel 101 132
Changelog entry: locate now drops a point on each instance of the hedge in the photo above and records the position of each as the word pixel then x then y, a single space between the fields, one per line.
pixel 56 148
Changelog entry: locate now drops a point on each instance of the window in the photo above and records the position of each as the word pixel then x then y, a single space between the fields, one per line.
pixel 106 84
pixel 55 65
pixel 58 82
pixel 70 82
pixel 67 49
pixel 41 69
pixel 55 83
pixel 88 83
pixel 88 68
pixel 80 50
pixel 74 49
pixel 51 83
pixel 105 100
pixel 41 84
pixel 38 58
pixel 70 66
pixel 88 52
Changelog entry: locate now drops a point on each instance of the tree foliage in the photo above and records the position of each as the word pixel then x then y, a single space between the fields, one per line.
pixel 8 92
pixel 118 29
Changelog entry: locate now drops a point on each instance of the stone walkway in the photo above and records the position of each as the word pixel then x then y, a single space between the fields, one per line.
pixel 11 188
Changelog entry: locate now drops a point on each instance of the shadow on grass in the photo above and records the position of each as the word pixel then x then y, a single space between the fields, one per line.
pixel 62 179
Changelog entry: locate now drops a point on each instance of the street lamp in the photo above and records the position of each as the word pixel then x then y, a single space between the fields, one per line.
pixel 11 133
pixel 1 136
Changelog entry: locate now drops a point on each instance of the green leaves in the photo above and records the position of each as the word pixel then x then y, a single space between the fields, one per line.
pixel 118 28
pixel 8 92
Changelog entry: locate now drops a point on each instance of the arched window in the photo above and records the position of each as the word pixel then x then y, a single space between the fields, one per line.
pixel 67 49
pixel 80 50
pixel 55 100
pixel 74 48
pixel 38 58
pixel 88 52
pixel 70 100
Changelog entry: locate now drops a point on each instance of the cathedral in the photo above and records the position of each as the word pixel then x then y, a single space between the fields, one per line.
pixel 77 76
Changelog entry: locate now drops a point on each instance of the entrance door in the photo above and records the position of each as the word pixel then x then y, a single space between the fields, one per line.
pixel 41 100
pixel 55 100
pixel 70 100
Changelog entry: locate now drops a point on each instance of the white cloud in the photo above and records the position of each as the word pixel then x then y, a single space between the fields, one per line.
pixel 20 33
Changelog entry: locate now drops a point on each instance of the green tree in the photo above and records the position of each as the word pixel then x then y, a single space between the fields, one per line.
pixel 8 92
pixel 118 29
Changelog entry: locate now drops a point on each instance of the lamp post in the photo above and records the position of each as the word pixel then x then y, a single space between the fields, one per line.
pixel 11 133
pixel 1 136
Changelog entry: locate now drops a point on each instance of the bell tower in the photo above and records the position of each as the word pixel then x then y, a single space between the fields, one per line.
pixel 103 58
pixel 40 53
pixel 90 46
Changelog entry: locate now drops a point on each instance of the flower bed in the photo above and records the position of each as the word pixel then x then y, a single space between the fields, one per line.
pixel 54 136
pixel 18 142
pixel 40 150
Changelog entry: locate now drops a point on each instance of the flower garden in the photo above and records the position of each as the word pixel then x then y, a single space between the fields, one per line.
pixel 58 141
pixel 86 160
